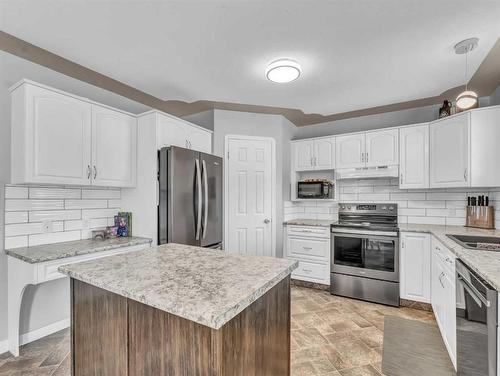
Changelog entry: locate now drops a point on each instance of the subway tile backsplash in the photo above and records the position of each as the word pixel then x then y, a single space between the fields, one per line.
pixel 72 213
pixel 427 206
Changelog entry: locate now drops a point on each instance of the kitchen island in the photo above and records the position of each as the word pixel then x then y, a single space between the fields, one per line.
pixel 181 310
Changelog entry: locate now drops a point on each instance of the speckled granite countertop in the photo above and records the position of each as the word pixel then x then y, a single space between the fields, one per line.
pixel 309 222
pixel 49 252
pixel 206 286
pixel 484 263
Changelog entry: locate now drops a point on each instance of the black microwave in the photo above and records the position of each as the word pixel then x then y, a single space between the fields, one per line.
pixel 316 189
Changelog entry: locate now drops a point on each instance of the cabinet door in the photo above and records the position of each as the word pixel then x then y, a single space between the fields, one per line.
pixel 437 290
pixel 415 267
pixel 450 318
pixel 170 132
pixel 414 157
pixel 303 154
pixel 114 148
pixel 58 139
pixel 485 153
pixel 350 150
pixel 199 139
pixel 324 153
pixel 449 152
pixel 381 148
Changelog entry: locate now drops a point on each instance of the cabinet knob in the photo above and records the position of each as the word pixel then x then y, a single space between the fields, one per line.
pixel 267 220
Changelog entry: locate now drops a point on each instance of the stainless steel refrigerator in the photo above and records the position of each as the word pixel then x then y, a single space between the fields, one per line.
pixel 190 202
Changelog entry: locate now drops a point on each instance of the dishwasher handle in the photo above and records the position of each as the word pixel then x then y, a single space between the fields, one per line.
pixel 475 294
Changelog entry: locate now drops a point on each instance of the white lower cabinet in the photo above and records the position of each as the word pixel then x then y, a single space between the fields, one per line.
pixel 310 246
pixel 443 295
pixel 415 267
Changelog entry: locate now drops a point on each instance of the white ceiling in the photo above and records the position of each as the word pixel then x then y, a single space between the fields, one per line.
pixel 354 54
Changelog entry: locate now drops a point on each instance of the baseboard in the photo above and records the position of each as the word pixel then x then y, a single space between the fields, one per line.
pixel 311 285
pixel 4 346
pixel 42 332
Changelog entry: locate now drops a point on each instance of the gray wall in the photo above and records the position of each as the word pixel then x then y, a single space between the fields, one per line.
pixel 275 126
pixel 495 97
pixel 204 119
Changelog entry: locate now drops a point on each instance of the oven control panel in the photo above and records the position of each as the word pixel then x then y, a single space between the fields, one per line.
pixel 386 208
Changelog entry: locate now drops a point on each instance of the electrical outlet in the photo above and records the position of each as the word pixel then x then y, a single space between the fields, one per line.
pixel 47 226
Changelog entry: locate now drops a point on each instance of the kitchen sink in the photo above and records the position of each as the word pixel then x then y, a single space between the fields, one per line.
pixel 483 243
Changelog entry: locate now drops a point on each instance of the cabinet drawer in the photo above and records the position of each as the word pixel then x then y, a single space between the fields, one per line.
pixel 308 248
pixel 47 271
pixel 446 257
pixel 312 272
pixel 314 231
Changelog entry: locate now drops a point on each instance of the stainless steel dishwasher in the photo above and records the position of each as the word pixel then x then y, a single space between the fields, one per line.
pixel 477 324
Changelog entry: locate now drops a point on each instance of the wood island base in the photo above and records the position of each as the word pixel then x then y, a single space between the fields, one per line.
pixel 113 335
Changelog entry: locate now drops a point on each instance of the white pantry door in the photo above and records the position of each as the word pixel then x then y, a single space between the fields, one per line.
pixel 250 193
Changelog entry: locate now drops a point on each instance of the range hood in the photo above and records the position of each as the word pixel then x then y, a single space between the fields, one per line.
pixel 368 172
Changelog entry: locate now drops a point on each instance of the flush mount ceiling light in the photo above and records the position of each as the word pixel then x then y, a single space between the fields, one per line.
pixel 468 98
pixel 283 70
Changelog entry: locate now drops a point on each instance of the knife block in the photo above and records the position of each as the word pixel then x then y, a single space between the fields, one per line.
pixel 480 217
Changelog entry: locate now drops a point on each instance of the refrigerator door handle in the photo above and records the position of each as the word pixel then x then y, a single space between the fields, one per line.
pixel 205 198
pixel 198 208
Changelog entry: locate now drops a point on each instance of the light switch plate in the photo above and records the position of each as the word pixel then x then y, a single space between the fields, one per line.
pixel 47 226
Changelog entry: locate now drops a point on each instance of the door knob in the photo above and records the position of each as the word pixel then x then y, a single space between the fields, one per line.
pixel 267 220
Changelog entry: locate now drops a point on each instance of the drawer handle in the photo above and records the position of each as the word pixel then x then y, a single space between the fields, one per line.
pixel 307 270
pixel 307 248
pixel 440 279
pixel 448 260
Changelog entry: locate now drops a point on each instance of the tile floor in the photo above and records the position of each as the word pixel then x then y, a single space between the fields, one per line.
pixel 331 336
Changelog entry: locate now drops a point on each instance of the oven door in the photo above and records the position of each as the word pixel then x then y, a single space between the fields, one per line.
pixel 370 256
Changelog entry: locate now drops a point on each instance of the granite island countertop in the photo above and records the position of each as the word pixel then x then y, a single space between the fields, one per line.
pixel 309 222
pixel 56 251
pixel 484 263
pixel 206 286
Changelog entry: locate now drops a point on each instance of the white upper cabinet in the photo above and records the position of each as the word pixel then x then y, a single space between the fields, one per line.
pixel 415 264
pixel 350 151
pixel 381 148
pixel 414 157
pixel 176 132
pixel 449 152
pixel 199 139
pixel 51 137
pixel 58 138
pixel 317 154
pixel 485 151
pixel 369 149
pixel 170 132
pixel 324 153
pixel 114 148
pixel 303 152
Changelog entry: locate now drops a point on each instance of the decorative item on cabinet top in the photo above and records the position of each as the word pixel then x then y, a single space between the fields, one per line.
pixel 59 138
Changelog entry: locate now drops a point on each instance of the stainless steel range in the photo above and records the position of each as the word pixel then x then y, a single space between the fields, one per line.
pixel 365 253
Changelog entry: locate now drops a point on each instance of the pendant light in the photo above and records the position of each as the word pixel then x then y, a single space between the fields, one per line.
pixel 468 98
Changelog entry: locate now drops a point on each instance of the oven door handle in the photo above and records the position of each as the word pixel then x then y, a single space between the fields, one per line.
pixel 377 235
pixel 474 293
